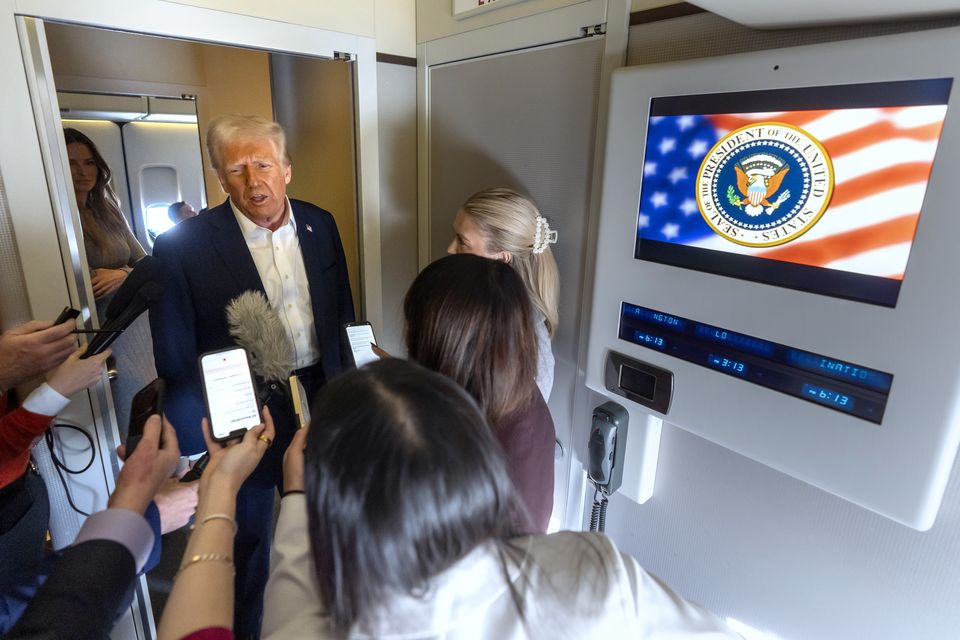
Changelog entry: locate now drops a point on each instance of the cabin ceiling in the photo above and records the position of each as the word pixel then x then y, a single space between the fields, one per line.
pixel 763 14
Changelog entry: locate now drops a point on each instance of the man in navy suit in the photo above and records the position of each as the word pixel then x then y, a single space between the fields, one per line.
pixel 258 240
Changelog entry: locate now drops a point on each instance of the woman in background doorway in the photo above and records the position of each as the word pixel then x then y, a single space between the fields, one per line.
pixel 504 225
pixel 111 247
pixel 112 251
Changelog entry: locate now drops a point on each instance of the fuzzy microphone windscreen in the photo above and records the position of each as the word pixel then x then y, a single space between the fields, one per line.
pixel 257 328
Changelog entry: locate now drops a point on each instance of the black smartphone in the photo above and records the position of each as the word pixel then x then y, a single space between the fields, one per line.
pixel 147 402
pixel 196 470
pixel 68 313
pixel 360 337
pixel 230 392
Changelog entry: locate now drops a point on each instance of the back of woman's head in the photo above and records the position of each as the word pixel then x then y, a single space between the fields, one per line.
pixel 511 223
pixel 470 319
pixel 403 479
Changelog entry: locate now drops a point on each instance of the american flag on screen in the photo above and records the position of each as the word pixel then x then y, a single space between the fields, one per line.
pixel 882 158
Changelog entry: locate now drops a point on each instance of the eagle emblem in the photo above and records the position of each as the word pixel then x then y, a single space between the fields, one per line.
pixel 764 184
pixel 758 178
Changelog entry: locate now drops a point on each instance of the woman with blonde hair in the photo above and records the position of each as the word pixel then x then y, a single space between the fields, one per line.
pixel 504 225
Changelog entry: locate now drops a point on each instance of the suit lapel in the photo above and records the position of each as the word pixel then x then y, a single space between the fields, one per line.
pixel 230 245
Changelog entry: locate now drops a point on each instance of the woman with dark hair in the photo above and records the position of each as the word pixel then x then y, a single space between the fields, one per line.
pixel 397 521
pixel 408 513
pixel 111 247
pixel 470 318
pixel 112 251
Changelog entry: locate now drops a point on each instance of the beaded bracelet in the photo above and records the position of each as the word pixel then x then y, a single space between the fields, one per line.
pixel 203 557
pixel 218 516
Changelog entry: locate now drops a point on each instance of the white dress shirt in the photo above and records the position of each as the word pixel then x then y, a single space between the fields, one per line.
pixel 280 265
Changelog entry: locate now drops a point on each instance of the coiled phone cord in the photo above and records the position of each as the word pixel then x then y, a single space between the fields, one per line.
pixel 598 515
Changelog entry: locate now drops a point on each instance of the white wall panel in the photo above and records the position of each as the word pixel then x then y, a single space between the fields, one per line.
pixel 524 120
pixel 162 145
pixel 397 113
pixel 755 544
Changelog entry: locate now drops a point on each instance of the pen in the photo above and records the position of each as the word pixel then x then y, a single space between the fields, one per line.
pixel 96 331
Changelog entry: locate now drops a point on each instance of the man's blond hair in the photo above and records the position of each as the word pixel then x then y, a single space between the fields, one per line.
pixel 226 129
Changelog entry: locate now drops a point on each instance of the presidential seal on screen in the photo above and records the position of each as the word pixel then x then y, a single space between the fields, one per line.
pixel 764 184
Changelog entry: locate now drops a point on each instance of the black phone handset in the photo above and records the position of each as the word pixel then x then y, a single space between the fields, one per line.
pixel 608 439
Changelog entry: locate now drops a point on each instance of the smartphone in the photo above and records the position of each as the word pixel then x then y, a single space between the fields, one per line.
pixel 196 470
pixel 68 313
pixel 147 402
pixel 230 393
pixel 360 337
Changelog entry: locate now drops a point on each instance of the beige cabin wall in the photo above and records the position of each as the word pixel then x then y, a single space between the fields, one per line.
pixel 237 81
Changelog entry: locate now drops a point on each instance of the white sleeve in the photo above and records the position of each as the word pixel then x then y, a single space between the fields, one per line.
pixel 664 615
pixel 292 599
pixel 45 401
pixel 545 360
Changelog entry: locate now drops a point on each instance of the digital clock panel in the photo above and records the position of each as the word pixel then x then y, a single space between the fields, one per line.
pixel 648 339
pixel 829 397
pixel 722 362
pixel 827 381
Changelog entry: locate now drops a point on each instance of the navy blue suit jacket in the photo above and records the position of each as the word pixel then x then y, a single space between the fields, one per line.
pixel 207 264
pixel 104 568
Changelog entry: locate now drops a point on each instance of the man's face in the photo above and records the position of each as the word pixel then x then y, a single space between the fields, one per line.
pixel 187 211
pixel 256 178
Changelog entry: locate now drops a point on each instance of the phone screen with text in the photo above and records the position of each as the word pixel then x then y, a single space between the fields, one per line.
pixel 361 337
pixel 230 392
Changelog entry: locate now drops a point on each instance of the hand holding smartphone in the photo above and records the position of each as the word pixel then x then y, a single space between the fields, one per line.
pixel 147 402
pixel 360 336
pixel 230 393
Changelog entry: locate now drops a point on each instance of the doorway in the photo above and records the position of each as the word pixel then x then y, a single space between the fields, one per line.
pixel 48 229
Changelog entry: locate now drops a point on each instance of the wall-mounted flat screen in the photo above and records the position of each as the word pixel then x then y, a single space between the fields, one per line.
pixel 818 189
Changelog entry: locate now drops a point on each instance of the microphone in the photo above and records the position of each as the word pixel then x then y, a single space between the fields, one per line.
pixel 140 291
pixel 145 297
pixel 256 327
pixel 146 270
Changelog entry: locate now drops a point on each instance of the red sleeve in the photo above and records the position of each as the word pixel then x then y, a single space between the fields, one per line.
pixel 18 430
pixel 210 633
